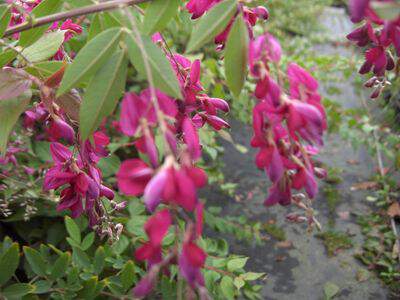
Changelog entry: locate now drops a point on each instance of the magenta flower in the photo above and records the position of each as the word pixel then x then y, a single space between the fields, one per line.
pixel 198 7
pixel 156 228
pixel 133 176
pixel 60 153
pixel 191 139
pixel 154 190
pixel 59 129
pixel 358 9
pixel 280 192
pixel 191 260
pixel 305 179
pixel 306 120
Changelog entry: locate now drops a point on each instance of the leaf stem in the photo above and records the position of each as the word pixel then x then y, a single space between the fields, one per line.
pixel 86 10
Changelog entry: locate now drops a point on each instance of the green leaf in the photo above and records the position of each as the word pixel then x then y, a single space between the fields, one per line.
pixel 16 291
pixel 158 14
pixel 13 83
pixel 80 258
pixel 227 287
pixel 211 24
pixel 91 58
pixel 102 94
pixel 88 241
pixel 45 47
pixel 42 286
pixel 96 26
pixel 236 263
pixel 236 56
pixel 73 229
pixel 46 7
pixel 44 69
pixel 330 290
pixel 250 276
pixel 89 288
pixel 60 266
pixel 163 75
pixel 7 56
pixel 128 275
pixel 10 110
pixel 9 261
pixel 239 282
pixel 36 261
pixel 120 245
pixel 98 262
pixel 109 166
pixel 5 17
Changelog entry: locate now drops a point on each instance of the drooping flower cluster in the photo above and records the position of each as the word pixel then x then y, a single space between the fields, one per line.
pixel 170 178
pixel 282 121
pixel 380 37
pixel 80 178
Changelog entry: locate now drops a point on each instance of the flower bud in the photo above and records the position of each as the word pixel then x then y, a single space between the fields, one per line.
pixel 262 12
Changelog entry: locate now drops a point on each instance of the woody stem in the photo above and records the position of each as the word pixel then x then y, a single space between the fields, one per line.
pixel 86 10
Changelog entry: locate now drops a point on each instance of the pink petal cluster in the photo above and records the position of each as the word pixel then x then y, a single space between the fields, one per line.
pixel 282 121
pixel 17 16
pixel 80 177
pixel 170 178
pixel 378 36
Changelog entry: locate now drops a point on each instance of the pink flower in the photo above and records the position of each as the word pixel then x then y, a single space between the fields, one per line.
pixel 191 139
pixel 181 186
pixel 190 262
pixel 133 176
pixel 306 120
pixel 156 228
pixel 358 9
pixel 198 7
pixel 71 29
pixel 59 129
pixel 154 190
pixel 305 179
pixel 279 193
pixel 60 153
pixel 269 159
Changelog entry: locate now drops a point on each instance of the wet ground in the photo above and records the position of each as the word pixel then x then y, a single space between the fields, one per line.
pixel 302 271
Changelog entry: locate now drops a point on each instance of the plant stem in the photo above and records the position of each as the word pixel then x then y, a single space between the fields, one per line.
pixel 86 10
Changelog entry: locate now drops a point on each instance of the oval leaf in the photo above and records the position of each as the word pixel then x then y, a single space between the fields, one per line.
pixel 236 56
pixel 60 266
pixel 5 17
pixel 17 290
pixel 102 94
pixel 163 75
pixel 73 229
pixel 90 58
pixel 36 261
pixel 10 110
pixel 8 263
pixel 213 23
pixel 45 47
pixel 158 14
pixel 13 82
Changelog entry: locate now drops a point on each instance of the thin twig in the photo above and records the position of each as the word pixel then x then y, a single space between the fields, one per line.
pixel 150 79
pixel 86 10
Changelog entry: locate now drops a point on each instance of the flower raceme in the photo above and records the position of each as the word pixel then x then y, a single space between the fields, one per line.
pixel 282 122
pixel 380 37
